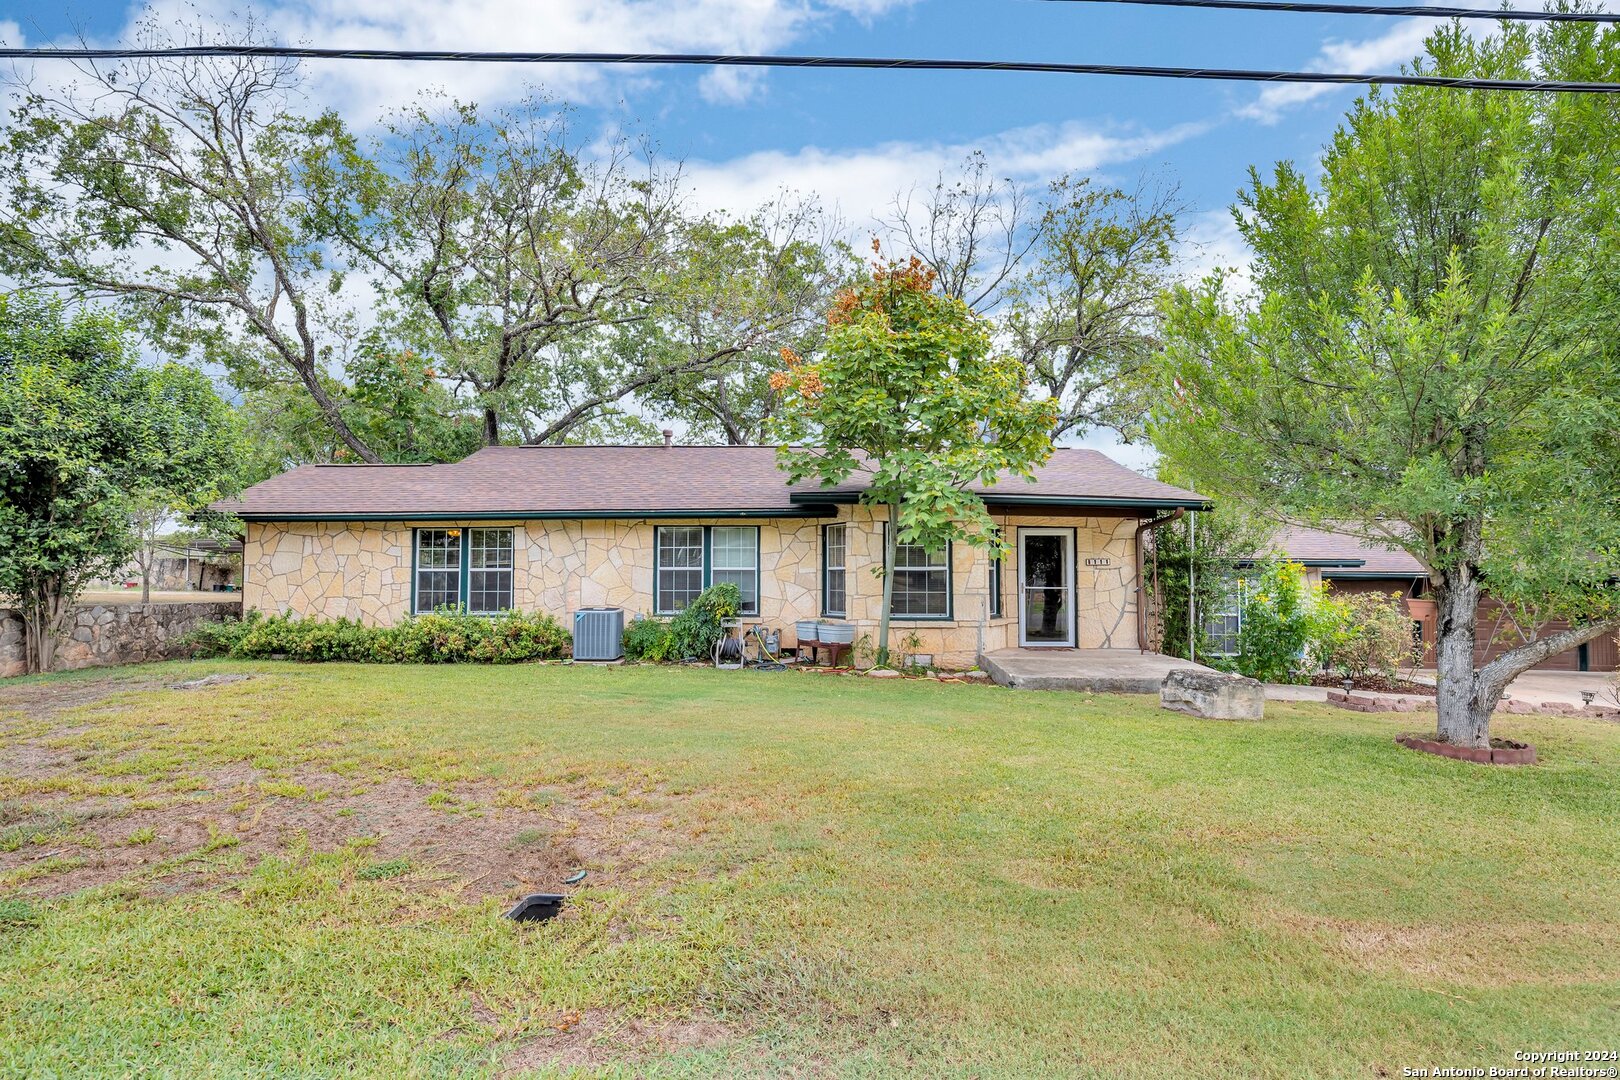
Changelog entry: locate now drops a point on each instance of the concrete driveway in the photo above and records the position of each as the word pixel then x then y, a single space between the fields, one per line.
pixel 1565 686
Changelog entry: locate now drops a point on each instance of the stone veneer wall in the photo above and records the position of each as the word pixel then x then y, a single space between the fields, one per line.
pixel 106 634
pixel 362 571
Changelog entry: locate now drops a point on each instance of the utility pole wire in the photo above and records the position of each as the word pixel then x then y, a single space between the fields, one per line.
pixel 858 62
pixel 1402 10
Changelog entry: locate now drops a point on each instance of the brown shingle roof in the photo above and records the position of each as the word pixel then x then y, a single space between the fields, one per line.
pixel 1352 554
pixel 568 481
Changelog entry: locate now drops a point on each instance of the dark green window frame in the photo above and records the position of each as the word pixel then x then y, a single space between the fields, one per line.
pixel 996 570
pixel 950 582
pixel 708 569
pixel 462 571
pixel 828 607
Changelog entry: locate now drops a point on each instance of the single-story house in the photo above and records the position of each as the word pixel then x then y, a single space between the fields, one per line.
pixel 646 528
pixel 1351 564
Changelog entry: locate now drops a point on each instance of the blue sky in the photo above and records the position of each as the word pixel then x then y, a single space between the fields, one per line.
pixel 852 135
pixel 853 138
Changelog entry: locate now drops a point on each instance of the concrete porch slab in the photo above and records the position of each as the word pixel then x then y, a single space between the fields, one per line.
pixel 1099 671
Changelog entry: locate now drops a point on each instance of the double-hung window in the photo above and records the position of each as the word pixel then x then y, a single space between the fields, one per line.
pixel 1223 626
pixel 469 569
pixel 489 573
pixel 734 559
pixel 692 557
pixel 922 582
pixel 438 569
pixel 834 564
pixel 680 566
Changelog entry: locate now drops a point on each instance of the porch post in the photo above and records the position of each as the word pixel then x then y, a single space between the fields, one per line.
pixel 1192 587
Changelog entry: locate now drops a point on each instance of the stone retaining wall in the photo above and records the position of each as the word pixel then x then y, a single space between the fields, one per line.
pixel 105 634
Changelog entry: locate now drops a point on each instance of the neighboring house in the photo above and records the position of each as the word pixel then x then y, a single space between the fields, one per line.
pixel 559 528
pixel 184 564
pixel 1353 565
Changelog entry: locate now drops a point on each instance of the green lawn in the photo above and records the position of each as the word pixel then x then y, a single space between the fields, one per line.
pixel 302 873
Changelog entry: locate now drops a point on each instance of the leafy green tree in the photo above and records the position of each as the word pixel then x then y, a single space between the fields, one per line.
pixel 1083 313
pixel 1200 558
pixel 183 190
pixel 907 396
pixel 1427 357
pixel 87 435
pixel 508 255
pixel 741 290
pixel 1071 279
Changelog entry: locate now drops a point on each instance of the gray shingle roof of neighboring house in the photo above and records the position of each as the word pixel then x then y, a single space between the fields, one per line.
pixel 632 481
pixel 1342 555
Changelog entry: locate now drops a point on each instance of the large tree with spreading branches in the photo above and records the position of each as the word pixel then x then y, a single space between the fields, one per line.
pixel 1427 356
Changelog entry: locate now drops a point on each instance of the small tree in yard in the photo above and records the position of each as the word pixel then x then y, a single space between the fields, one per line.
pixel 1428 357
pixel 906 395
pixel 84 431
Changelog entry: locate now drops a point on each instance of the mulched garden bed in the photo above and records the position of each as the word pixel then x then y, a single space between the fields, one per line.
pixel 1376 684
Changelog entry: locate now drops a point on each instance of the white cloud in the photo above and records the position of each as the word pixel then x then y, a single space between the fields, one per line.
pixel 363 90
pixel 1379 54
pixel 860 183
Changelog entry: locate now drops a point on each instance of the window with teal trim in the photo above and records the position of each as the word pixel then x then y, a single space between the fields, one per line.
pixel 834 564
pixel 489 570
pixel 922 582
pixel 466 569
pixel 692 557
pixel 995 587
pixel 438 569
pixel 680 566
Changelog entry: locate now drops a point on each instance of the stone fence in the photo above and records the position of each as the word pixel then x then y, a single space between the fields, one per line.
pixel 103 634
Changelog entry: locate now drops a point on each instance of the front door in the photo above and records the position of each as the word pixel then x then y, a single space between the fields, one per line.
pixel 1046 587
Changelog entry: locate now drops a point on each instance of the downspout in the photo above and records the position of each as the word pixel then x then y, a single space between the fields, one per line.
pixel 1141 574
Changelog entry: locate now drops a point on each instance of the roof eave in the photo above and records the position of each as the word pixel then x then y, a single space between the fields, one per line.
pixel 814 510
pixel 1079 502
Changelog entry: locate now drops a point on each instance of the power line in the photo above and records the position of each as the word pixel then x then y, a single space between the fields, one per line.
pixel 288 52
pixel 1404 10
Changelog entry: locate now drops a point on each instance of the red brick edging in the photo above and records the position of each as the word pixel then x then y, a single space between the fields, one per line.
pixel 1517 754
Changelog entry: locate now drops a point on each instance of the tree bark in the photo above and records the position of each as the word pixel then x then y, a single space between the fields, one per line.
pixel 1463 718
pixel 42 622
pixel 1468 695
pixel 891 545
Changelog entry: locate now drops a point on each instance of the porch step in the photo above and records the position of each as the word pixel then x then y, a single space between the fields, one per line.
pixel 1095 671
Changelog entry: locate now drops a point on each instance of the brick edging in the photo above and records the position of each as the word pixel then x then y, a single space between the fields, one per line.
pixel 1522 754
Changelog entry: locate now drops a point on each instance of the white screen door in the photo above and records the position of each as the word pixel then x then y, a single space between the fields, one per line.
pixel 1046 587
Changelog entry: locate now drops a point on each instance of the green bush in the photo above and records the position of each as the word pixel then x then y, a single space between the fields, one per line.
pixel 455 638
pixel 211 639
pixel 1375 638
pixel 1289 625
pixel 446 637
pixel 694 631
pixel 649 640
pixel 688 636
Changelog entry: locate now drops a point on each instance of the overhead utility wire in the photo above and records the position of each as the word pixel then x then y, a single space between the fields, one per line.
pixel 1404 10
pixel 864 62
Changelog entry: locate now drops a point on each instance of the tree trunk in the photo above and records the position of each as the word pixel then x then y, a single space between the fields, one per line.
pixel 1468 696
pixel 146 579
pixel 43 612
pixel 891 545
pixel 1463 717
pixel 492 427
